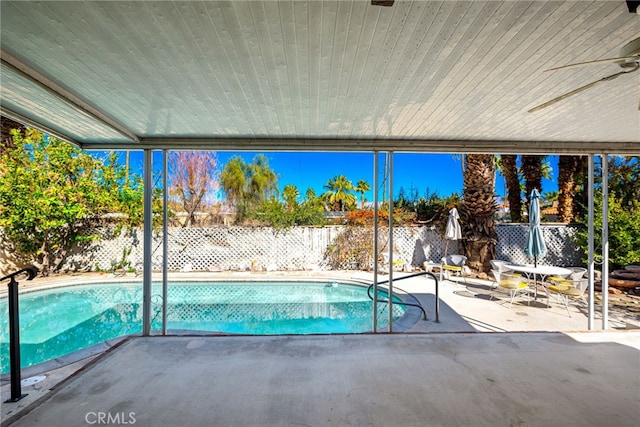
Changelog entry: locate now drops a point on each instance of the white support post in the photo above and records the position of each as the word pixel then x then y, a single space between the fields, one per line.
pixel 147 242
pixel 590 245
pixel 375 242
pixel 605 241
pixel 390 296
pixel 165 240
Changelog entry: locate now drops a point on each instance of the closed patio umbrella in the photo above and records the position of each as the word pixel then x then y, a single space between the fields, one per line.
pixel 453 231
pixel 535 245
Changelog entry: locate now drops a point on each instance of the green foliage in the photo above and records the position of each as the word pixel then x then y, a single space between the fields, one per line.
pixel 338 196
pixel 624 175
pixel 248 186
pixel 429 208
pixel 123 265
pixel 51 190
pixel 624 231
pixel 361 188
pixel 624 213
pixel 290 213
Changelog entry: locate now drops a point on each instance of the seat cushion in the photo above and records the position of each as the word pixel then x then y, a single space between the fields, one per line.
pixel 573 292
pixel 558 279
pixel 513 284
pixel 452 267
pixel 559 288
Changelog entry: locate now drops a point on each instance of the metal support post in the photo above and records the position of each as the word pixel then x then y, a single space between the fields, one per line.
pixel 605 241
pixel 390 241
pixel 590 245
pixel 375 242
pixel 147 242
pixel 14 332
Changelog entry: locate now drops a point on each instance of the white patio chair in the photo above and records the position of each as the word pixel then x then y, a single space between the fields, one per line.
pixel 498 267
pixel 514 285
pixel 577 273
pixel 566 289
pixel 453 264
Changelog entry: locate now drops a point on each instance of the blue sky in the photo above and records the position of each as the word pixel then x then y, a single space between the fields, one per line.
pixel 439 173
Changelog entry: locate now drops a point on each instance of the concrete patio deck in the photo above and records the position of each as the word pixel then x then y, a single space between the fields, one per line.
pixel 434 374
pixel 534 379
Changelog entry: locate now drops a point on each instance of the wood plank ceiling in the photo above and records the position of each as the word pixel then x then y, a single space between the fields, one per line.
pixel 437 76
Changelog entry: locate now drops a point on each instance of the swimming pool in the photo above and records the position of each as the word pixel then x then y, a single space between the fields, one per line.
pixel 61 320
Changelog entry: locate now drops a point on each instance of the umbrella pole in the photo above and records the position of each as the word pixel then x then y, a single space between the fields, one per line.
pixel 535 279
pixel 446 246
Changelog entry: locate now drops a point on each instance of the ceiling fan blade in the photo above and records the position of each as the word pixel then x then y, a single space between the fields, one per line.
pixel 597 61
pixel 578 90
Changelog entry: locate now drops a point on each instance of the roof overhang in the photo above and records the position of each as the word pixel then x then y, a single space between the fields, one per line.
pixel 427 76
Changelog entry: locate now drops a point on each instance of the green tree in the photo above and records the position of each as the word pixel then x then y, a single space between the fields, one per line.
pixel 361 188
pixel 310 194
pixel 248 186
pixel 284 215
pixel 6 132
pixel 263 181
pixel 338 196
pixel 290 195
pixel 234 183
pixel 624 176
pixel 623 215
pixel 624 231
pixel 549 198
pixel 50 191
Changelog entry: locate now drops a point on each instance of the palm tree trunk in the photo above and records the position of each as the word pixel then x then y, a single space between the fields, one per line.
pixel 532 172
pixel 477 211
pixel 567 168
pixel 510 173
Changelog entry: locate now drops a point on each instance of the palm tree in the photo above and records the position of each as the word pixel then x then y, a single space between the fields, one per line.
pixel 310 194
pixel 550 197
pixel 338 196
pixel 532 173
pixel 362 187
pixel 477 211
pixel 567 169
pixel 509 170
pixel 290 195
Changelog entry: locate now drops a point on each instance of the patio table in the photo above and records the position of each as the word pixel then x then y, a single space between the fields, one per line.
pixel 539 270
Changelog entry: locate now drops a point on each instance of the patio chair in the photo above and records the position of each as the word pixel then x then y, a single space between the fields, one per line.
pixel 498 268
pixel 577 273
pixel 513 284
pixel 453 264
pixel 565 289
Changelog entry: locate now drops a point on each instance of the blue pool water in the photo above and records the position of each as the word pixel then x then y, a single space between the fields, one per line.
pixel 62 320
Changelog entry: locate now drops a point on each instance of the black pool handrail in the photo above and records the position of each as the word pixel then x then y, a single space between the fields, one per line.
pixel 14 330
pixel 422 273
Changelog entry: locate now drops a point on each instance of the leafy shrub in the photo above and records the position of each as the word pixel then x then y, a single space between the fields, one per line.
pixel 624 232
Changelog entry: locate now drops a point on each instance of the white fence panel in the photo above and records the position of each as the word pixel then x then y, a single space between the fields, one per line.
pixel 298 248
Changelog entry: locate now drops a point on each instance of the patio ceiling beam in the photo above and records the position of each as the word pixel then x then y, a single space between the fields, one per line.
pixel 372 144
pixel 5 112
pixel 66 96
